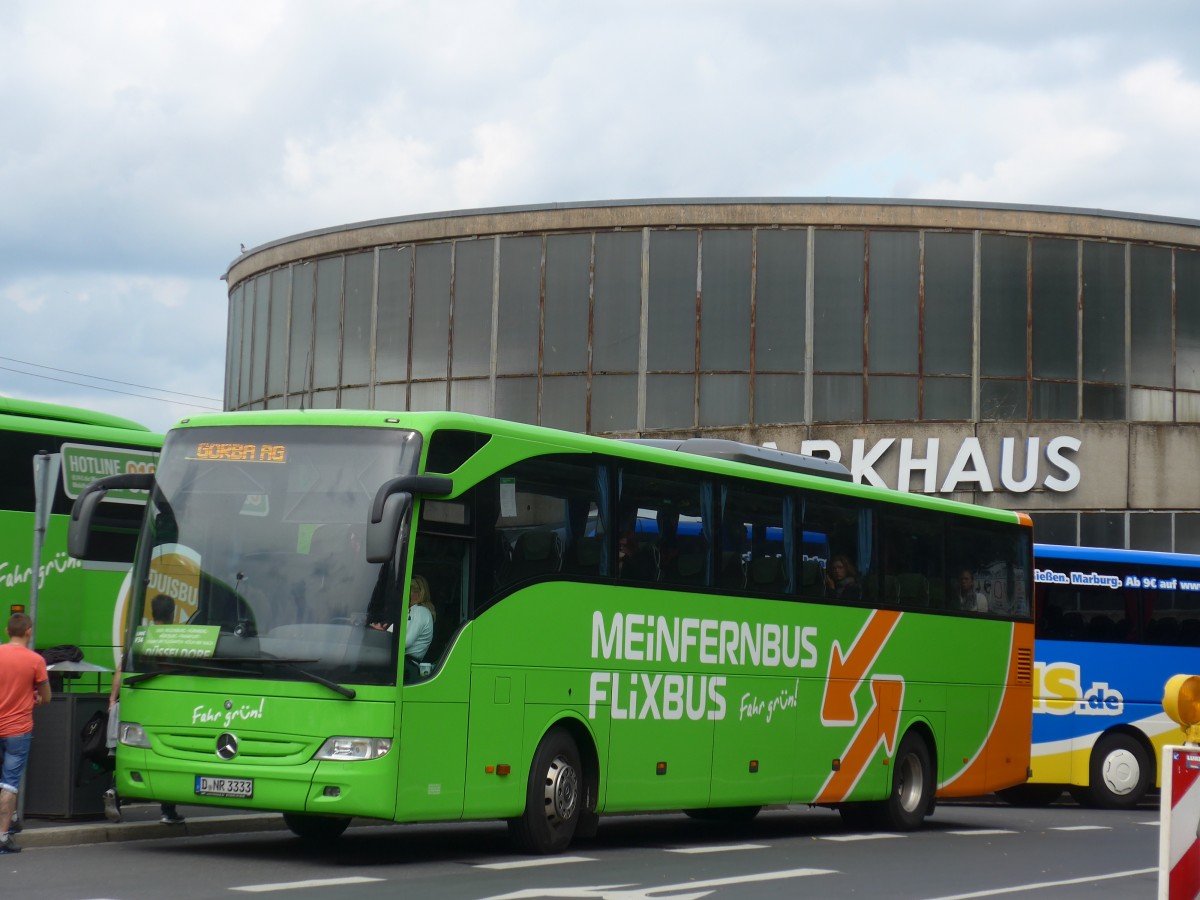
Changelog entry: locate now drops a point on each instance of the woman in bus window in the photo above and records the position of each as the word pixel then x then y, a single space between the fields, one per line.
pixel 841 580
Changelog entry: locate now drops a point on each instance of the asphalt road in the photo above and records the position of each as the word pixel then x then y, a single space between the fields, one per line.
pixel 965 851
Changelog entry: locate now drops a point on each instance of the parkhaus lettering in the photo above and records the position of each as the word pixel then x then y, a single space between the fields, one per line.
pixel 1052 466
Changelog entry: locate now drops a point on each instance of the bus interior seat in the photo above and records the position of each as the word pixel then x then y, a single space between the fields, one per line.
pixel 1164 630
pixel 1072 625
pixel 766 574
pixel 584 556
pixel 534 553
pixel 1101 628
pixel 1189 632
pixel 733 571
pixel 911 589
pixel 812 576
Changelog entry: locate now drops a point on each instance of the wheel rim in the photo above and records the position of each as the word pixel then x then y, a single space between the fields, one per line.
pixel 912 784
pixel 562 791
pixel 1122 772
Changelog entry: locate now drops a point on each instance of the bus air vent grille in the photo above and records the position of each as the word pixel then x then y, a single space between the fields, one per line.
pixel 1024 671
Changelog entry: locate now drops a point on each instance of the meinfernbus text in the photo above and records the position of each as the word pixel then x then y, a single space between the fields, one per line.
pixel 438 616
pixel 1112 627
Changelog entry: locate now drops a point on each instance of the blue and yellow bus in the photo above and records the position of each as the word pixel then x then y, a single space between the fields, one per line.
pixel 1112 626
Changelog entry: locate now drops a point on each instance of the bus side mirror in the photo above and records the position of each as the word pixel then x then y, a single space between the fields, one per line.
pixel 389 506
pixel 84 540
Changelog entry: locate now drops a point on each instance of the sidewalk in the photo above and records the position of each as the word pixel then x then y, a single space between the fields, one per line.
pixel 139 821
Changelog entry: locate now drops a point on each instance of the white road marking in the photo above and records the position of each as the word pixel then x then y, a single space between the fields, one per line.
pixel 533 863
pixel 847 838
pixel 974 831
pixel 309 883
pixel 722 849
pixel 630 892
pixel 1038 885
pixel 1082 828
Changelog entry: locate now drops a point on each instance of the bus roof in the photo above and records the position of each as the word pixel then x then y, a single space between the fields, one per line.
pixel 53 412
pixel 569 441
pixel 1112 554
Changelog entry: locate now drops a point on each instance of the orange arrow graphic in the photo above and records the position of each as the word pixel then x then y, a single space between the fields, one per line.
pixel 847 672
pixel 881 726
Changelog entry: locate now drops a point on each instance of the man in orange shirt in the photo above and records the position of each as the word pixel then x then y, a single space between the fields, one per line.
pixel 24 684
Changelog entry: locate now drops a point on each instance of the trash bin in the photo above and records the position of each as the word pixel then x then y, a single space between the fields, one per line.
pixel 59 782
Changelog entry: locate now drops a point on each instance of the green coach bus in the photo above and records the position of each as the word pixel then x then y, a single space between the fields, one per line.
pixel 75 605
pixel 438 616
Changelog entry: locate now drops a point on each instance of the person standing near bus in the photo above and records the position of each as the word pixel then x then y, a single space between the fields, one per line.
pixel 24 684
pixel 162 611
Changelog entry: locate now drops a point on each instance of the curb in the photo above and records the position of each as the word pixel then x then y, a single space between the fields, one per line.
pixel 108 832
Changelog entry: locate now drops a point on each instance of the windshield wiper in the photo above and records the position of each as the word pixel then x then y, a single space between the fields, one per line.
pixel 290 664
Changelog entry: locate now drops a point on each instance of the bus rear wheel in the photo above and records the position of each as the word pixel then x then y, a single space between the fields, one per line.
pixel 315 828
pixel 553 797
pixel 1120 773
pixel 910 798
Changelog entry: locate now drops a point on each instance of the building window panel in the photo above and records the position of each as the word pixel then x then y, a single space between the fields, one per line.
pixel 233 353
pixel 725 303
pixel 472 395
pixel 427 395
pixel 1146 405
pixel 1104 529
pixel 1187 532
pixel 894 307
pixel 724 399
pixel 391 397
pixel 1150 316
pixel 392 315
pixel 258 355
pixel 838 303
pixel 671 339
pixel 564 402
pixel 473 267
pixel 1150 531
pixel 516 399
pixel 1187 319
pixel 277 343
pixel 837 398
pixel 670 401
pixel 778 399
pixel 1103 312
pixel 779 303
pixel 891 398
pixel 1003 306
pixel 946 399
pixel 948 305
pixel 566 317
pixel 618 302
pixel 1002 401
pixel 1056 528
pixel 519 317
pixel 1103 402
pixel 431 312
pixel 356 326
pixel 1054 401
pixel 1055 310
pixel 614 403
pixel 327 323
pixel 1187 407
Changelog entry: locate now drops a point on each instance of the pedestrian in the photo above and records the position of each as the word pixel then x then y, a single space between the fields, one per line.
pixel 162 610
pixel 24 684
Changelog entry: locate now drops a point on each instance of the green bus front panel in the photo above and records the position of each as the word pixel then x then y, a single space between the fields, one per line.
pixel 279 726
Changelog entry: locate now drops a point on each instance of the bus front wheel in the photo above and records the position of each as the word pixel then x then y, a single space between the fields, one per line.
pixel 553 797
pixel 1120 773
pixel 315 828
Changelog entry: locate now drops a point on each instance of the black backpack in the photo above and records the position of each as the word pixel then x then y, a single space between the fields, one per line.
pixel 93 740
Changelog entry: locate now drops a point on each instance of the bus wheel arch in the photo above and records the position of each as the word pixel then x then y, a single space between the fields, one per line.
pixel 315 828
pixel 557 793
pixel 1122 768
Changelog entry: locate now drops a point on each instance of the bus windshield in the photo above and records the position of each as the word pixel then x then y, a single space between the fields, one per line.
pixel 252 556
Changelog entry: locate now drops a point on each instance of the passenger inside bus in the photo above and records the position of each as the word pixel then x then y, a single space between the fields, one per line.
pixel 969 598
pixel 841 580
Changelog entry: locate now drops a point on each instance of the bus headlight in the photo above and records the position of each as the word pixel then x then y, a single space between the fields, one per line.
pixel 351 748
pixel 132 735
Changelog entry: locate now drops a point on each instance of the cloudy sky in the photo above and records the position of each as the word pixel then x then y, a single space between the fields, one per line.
pixel 144 141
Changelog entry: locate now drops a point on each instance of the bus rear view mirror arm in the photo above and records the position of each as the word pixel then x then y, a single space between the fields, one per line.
pixel 84 508
pixel 391 503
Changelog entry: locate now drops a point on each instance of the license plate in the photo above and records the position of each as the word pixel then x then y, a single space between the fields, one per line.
pixel 224 787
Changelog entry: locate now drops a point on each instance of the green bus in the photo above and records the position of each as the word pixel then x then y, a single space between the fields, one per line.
pixel 604 626
pixel 75 604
